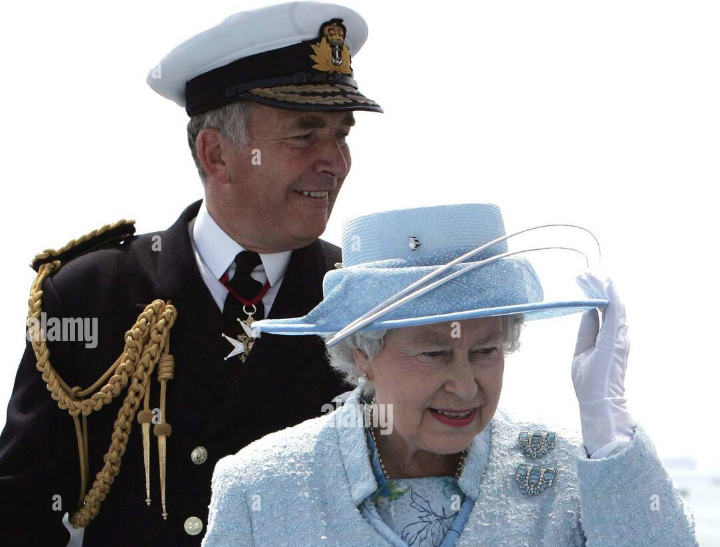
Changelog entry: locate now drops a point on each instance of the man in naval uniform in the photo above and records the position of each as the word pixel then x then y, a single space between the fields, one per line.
pixel 270 94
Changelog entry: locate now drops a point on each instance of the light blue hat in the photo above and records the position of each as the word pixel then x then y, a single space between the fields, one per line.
pixel 385 253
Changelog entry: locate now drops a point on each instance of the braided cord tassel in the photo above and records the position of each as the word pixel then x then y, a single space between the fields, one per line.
pixel 145 418
pixel 163 430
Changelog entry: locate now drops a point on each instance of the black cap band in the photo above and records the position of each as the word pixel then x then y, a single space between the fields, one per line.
pixel 288 65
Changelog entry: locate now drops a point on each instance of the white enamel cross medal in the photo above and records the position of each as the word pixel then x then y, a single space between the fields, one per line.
pixel 244 342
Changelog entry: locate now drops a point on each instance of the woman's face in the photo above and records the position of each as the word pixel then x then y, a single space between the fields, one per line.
pixel 428 371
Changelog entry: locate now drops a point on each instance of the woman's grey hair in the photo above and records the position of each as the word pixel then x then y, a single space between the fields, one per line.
pixel 342 359
pixel 233 122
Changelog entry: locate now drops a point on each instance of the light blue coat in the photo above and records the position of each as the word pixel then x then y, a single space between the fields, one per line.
pixel 302 487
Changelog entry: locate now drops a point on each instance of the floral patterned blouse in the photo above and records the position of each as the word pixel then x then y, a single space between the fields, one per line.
pixel 414 512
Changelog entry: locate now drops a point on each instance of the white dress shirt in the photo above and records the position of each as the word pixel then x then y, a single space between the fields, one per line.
pixel 215 252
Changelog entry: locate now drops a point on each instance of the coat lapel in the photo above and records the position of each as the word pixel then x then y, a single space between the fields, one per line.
pixel 176 260
pixel 348 424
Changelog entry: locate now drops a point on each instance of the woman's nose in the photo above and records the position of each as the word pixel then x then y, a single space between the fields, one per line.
pixel 461 381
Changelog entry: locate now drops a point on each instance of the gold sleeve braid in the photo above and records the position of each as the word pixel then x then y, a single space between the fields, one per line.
pixel 146 343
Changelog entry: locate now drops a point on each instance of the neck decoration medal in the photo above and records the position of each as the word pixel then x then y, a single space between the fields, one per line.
pixel 244 342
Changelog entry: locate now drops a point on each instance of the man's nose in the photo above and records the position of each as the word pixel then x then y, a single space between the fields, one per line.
pixel 333 158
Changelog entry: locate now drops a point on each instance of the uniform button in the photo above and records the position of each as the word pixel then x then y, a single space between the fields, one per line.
pixel 193 526
pixel 199 455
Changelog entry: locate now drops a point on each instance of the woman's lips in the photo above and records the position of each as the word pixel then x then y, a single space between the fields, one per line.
pixel 454 418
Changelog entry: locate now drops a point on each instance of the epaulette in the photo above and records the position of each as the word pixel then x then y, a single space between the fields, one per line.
pixel 120 230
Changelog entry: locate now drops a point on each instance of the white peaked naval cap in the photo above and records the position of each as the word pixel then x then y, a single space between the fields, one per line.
pixel 295 56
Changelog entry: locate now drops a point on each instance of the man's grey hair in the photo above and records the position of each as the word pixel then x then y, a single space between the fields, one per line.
pixel 233 122
pixel 342 359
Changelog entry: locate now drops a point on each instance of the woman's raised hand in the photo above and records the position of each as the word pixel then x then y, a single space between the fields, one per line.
pixel 598 371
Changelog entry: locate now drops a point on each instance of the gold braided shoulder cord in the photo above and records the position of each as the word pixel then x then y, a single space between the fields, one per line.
pixel 146 344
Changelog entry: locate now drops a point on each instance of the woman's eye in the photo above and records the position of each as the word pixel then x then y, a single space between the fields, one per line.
pixel 304 137
pixel 435 353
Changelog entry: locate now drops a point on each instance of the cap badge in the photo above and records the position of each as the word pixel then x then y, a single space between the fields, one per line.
pixel 331 52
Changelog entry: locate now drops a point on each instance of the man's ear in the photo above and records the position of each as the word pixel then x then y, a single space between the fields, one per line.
pixel 210 148
pixel 363 363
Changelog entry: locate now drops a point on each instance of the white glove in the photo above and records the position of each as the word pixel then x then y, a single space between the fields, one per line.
pixel 598 372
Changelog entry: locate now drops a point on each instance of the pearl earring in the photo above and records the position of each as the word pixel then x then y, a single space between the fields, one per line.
pixel 362 381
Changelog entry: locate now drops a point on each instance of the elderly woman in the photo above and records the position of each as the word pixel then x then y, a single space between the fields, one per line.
pixel 420 455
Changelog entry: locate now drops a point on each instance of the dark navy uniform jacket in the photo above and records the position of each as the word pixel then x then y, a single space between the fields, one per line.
pixel 212 403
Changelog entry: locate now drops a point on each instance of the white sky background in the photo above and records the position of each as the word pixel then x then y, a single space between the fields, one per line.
pixel 603 114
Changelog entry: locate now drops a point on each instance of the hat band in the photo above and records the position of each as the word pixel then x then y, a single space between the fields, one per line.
pixel 288 65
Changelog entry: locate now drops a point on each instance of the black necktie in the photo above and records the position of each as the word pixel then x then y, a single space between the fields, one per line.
pixel 245 286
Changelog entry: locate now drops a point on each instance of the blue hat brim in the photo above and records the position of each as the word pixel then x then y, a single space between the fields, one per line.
pixel 543 310
pixel 504 287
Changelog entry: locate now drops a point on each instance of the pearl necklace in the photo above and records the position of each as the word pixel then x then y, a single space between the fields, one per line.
pixel 382 466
